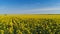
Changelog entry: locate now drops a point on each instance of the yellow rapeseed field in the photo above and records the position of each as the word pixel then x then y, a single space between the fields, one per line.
pixel 30 24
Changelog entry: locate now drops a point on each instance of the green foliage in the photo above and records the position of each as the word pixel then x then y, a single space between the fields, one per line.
pixel 30 26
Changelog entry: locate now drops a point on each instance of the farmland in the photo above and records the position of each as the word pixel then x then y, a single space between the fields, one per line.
pixel 30 24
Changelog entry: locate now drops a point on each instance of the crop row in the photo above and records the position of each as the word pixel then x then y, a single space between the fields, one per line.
pixel 29 26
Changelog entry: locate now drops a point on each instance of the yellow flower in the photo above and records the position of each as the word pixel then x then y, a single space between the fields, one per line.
pixel 2 31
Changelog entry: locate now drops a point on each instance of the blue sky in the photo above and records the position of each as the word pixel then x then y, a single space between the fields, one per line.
pixel 29 6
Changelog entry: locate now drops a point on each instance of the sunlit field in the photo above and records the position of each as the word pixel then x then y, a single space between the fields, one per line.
pixel 30 24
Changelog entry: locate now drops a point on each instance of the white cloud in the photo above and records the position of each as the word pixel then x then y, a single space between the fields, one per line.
pixel 31 11
pixel 42 10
